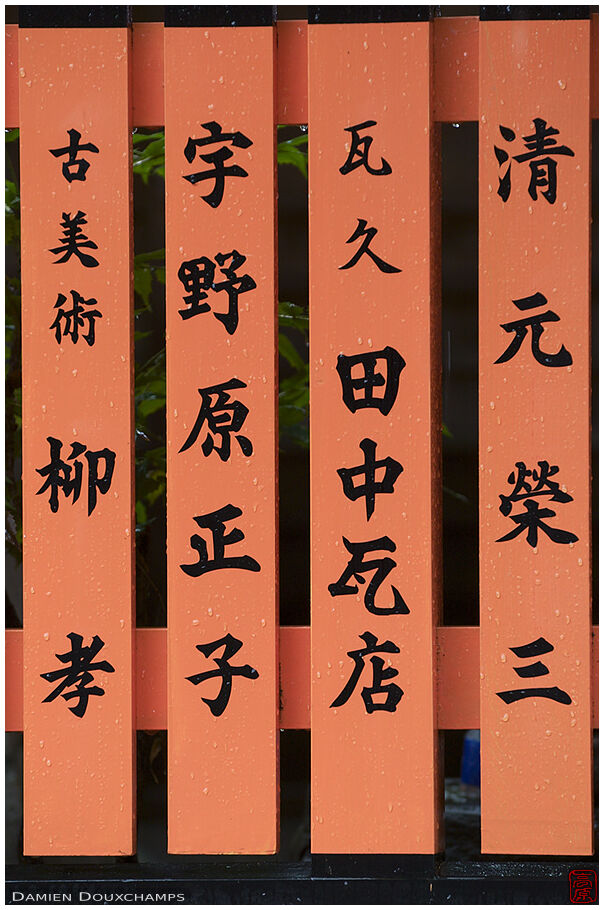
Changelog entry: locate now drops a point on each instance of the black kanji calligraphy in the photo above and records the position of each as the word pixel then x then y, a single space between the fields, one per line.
pixel 71 319
pixel 198 276
pixel 74 241
pixel 531 671
pixel 370 485
pixel 358 567
pixel 68 477
pixel 373 696
pixel 367 234
pixel 358 155
pixel 222 417
pixel 520 327
pixel 527 486
pixel 370 379
pixel 75 168
pixel 76 678
pixel 214 522
pixel 216 159
pixel 224 671
pixel 541 146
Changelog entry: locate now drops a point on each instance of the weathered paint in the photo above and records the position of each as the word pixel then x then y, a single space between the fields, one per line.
pixel 374 776
pixel 455 71
pixel 536 794
pixel 223 783
pixel 77 568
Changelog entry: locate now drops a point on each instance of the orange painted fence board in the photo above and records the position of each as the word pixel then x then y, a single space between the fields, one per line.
pixel 221 432
pixel 458 663
pixel 455 71
pixel 534 342
pixel 78 529
pixel 375 430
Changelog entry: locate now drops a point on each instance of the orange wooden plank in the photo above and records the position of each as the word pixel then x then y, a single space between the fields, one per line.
pixel 78 527
pixel 374 779
pixel 595 676
pixel 458 662
pixel 292 70
pixel 11 79
pixel 455 71
pixel 457 678
pixel 534 417
pixel 595 67
pixel 456 68
pixel 148 74
pixel 151 679
pixel 295 677
pixel 223 783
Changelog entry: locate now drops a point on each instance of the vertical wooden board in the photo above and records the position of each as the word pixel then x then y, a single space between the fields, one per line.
pixel 374 777
pixel 78 560
pixel 11 81
pixel 223 785
pixel 534 414
pixel 147 72
pixel 295 677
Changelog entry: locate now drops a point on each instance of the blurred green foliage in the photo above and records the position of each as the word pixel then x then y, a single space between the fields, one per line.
pixel 150 375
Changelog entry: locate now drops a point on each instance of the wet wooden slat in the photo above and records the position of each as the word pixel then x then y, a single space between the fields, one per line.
pixel 222 761
pixel 534 415
pixel 375 777
pixel 458 682
pixel 78 559
pixel 455 71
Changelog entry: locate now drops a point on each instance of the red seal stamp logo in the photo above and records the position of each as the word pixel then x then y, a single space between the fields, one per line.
pixel 583 886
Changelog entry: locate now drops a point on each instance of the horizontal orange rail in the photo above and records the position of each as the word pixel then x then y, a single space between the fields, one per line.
pixel 457 662
pixel 455 72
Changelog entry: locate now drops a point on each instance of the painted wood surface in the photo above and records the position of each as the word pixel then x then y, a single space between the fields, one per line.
pixel 534 340
pixel 375 582
pixel 457 676
pixel 455 71
pixel 78 528
pixel 221 430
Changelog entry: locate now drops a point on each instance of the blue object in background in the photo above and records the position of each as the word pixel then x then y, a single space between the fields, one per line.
pixel 470 759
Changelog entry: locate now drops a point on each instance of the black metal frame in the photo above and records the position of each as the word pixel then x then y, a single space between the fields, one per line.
pixel 425 880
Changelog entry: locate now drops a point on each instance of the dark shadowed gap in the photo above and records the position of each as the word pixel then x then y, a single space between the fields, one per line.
pixel 294 468
pixel 150 438
pixel 12 387
pixel 460 372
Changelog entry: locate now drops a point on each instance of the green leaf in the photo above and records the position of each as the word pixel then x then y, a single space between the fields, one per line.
pixel 157 387
pixel 151 256
pixel 287 350
pixel 143 281
pixel 297 140
pixel 150 406
pixel 145 271
pixel 291 151
pixel 141 513
pixel 292 316
pixel 295 157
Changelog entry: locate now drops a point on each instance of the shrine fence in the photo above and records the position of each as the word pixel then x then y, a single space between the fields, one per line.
pixel 372 94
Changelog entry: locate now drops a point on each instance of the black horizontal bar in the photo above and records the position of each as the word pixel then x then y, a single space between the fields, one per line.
pixel 293 883
pixel 344 15
pixel 493 13
pixel 75 16
pixel 219 16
